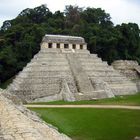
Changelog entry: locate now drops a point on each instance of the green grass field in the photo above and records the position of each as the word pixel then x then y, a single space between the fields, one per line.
pixel 119 100
pixel 94 124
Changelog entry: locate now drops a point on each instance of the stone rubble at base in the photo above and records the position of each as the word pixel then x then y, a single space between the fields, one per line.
pixel 65 70
pixel 129 68
pixel 18 123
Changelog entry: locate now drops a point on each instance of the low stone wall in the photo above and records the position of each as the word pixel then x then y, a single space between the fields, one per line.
pixel 127 68
pixel 18 123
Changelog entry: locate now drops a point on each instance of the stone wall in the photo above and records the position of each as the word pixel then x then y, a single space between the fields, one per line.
pixel 128 68
pixel 18 123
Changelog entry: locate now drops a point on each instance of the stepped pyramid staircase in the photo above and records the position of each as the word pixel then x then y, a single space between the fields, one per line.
pixel 56 74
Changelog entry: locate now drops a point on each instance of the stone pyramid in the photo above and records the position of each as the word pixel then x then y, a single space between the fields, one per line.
pixel 65 70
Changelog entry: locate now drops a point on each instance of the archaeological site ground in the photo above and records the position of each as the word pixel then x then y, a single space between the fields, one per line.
pixel 64 73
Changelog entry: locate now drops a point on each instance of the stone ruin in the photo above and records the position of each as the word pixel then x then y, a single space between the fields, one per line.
pixel 19 123
pixel 62 70
pixel 129 68
pixel 65 70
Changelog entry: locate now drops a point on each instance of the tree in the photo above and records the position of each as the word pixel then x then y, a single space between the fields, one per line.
pixel 97 16
pixel 7 63
pixel 6 25
pixel 72 14
pixel 129 41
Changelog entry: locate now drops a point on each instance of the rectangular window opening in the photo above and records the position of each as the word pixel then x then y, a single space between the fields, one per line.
pixel 66 46
pixel 81 47
pixel 50 45
pixel 58 45
pixel 74 46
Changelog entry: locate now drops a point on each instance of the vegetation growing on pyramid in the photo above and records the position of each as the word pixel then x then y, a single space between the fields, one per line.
pixel 20 38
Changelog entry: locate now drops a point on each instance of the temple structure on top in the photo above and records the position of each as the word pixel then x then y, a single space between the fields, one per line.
pixel 65 70
pixel 63 42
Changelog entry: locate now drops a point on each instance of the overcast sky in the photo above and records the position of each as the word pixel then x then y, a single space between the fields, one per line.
pixel 120 10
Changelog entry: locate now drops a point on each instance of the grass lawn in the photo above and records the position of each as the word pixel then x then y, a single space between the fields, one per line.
pixel 93 124
pixel 119 100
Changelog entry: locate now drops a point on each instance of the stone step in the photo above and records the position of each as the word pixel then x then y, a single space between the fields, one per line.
pixel 98 69
pixel 89 60
pixel 102 74
pixel 81 51
pixel 41 74
pixel 39 90
pixel 103 64
pixel 50 68
pixel 45 64
pixel 37 63
pixel 122 85
pixel 44 73
pixel 49 62
pixel 36 91
pixel 51 54
pixel 94 56
pixel 48 50
pixel 124 89
pixel 82 56
pixel 50 58
pixel 98 65
pixel 111 79
pixel 42 81
pixel 52 65
pixel 98 94
pixel 30 95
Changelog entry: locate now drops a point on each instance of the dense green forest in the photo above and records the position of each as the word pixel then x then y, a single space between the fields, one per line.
pixel 20 38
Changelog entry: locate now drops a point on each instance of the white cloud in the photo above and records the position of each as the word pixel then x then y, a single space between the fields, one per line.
pixel 120 10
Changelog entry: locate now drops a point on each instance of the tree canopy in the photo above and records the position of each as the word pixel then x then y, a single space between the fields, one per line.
pixel 20 38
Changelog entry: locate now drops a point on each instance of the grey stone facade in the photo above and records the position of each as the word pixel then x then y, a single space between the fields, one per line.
pixel 63 42
pixel 69 74
pixel 130 69
pixel 63 39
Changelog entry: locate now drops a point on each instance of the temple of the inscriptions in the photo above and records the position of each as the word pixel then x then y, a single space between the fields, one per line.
pixel 63 42
pixel 64 69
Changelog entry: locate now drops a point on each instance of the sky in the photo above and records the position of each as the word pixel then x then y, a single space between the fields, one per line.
pixel 121 11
